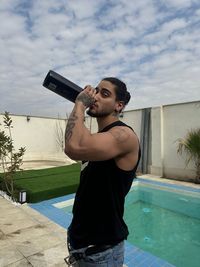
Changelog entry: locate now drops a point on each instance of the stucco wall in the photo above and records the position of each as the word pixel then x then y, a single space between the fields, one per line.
pixel 133 119
pixel 156 164
pixel 176 120
pixel 39 136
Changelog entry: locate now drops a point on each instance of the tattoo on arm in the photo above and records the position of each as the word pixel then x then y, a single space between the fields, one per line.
pixel 120 135
pixel 70 126
pixel 85 99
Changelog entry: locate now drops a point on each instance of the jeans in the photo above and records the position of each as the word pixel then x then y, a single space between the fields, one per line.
pixel 112 257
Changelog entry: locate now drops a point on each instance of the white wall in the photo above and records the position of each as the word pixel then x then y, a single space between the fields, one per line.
pixel 133 119
pixel 39 137
pixel 156 157
pixel 177 120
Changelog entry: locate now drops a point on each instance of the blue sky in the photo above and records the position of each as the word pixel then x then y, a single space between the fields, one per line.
pixel 152 45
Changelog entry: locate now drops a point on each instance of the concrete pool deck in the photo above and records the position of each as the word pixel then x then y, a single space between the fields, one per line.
pixel 28 238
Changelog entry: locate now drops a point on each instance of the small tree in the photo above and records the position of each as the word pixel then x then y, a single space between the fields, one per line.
pixel 10 161
pixel 191 146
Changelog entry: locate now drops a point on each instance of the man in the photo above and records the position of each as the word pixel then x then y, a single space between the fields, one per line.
pixel 109 162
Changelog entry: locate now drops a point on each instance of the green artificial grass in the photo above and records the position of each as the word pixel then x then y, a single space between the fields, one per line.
pixel 48 183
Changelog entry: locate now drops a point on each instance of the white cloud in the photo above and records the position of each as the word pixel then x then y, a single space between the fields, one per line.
pixel 153 46
pixel 179 3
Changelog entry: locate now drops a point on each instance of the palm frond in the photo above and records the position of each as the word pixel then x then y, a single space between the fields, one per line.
pixel 190 145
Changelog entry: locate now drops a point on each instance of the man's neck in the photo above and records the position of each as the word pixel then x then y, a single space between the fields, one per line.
pixel 104 121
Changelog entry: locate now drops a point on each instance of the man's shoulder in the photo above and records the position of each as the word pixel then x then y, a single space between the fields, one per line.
pixel 123 133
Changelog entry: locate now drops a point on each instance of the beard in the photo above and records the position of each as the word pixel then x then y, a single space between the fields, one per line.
pixel 98 114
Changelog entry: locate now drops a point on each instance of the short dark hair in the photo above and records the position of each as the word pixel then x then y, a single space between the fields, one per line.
pixel 120 88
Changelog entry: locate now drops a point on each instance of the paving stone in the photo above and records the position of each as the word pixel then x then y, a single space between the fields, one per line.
pixel 35 215
pixel 8 210
pixel 9 255
pixel 21 263
pixel 38 244
pixel 4 242
pixel 27 234
pixel 17 224
pixel 50 257
pixel 53 227
pixel 12 216
pixel 57 231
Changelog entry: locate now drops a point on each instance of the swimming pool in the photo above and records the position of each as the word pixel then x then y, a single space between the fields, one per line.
pixel 163 220
pixel 166 222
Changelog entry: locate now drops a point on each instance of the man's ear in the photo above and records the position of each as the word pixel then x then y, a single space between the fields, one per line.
pixel 119 106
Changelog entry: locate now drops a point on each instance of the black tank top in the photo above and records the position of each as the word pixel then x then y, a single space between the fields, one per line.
pixel 99 203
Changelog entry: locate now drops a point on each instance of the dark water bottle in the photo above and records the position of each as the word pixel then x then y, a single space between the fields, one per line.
pixel 61 86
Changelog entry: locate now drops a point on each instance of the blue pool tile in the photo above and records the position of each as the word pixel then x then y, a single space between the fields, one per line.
pixel 53 213
pixel 174 186
pixel 136 257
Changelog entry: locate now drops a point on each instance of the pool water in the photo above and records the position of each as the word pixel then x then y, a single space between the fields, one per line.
pixel 165 223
